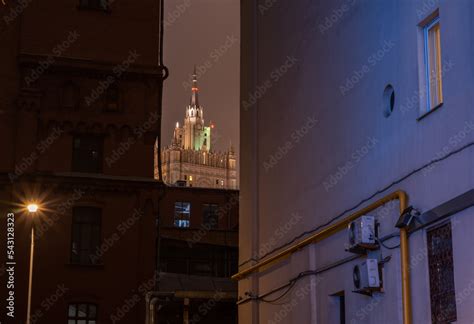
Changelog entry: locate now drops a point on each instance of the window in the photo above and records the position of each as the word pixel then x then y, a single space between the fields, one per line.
pixel 94 4
pixel 82 314
pixel 86 228
pixel 211 217
pixel 338 308
pixel 112 98
pixel 87 153
pixel 70 96
pixel 200 259
pixel 182 214
pixel 433 68
pixel 440 262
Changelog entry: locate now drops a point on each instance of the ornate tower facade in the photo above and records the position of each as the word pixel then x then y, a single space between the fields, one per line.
pixel 190 160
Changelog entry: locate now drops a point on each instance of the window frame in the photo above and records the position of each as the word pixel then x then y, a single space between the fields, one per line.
pixel 112 99
pixel 427 105
pixel 213 207
pixel 338 306
pixel 76 165
pixel 434 286
pixel 70 88
pixel 178 219
pixel 98 226
pixel 88 319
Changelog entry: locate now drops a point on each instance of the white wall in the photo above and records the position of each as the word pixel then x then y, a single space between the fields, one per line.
pixel 281 184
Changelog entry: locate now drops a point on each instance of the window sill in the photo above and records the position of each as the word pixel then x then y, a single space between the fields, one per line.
pixel 429 112
pixel 90 266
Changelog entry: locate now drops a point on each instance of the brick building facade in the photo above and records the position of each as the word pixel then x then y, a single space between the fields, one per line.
pixel 78 123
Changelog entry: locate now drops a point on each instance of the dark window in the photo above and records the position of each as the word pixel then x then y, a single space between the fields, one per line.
pixel 86 228
pixel 210 217
pixel 70 96
pixel 182 214
pixel 94 4
pixel 112 98
pixel 82 314
pixel 87 153
pixel 440 259
pixel 338 302
pixel 342 308
pixel 200 259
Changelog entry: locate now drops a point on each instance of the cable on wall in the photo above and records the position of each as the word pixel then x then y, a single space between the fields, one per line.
pixel 296 238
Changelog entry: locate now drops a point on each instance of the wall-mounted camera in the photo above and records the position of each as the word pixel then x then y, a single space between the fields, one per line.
pixel 363 235
pixel 366 277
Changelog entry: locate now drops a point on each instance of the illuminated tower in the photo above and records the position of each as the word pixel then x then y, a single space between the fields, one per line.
pixel 190 159
pixel 196 135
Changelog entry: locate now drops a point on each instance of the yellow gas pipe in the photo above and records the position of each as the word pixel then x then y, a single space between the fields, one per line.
pixel 402 197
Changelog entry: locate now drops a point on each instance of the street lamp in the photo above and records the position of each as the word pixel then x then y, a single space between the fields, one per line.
pixel 32 209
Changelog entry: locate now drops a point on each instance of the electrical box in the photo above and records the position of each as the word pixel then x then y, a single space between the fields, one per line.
pixel 362 235
pixel 366 277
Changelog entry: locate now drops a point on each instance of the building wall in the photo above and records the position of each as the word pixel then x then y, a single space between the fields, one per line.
pixel 314 149
pixel 45 46
pixel 227 201
pixel 127 249
pixel 212 170
pixel 197 261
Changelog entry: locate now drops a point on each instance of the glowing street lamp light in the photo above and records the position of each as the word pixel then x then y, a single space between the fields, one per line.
pixel 32 209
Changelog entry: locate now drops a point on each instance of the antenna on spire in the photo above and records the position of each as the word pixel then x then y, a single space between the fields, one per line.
pixel 195 89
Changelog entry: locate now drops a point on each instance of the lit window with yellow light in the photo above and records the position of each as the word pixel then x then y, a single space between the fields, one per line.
pixel 433 66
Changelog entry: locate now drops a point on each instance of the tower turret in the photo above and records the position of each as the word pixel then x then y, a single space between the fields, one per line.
pixel 196 135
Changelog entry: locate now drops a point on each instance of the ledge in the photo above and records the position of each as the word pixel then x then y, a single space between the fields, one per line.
pixel 429 112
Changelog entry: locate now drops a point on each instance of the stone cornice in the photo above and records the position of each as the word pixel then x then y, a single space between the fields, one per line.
pixel 79 66
pixel 88 182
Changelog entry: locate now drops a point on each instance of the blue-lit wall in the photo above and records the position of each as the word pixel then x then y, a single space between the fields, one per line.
pixel 315 144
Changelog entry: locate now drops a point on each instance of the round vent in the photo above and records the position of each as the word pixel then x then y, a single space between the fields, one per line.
pixel 352 233
pixel 356 276
pixel 388 100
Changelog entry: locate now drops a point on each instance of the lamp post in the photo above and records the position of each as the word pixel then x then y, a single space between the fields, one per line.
pixel 32 209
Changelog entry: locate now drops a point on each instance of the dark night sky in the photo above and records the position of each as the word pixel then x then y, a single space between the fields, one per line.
pixel 206 33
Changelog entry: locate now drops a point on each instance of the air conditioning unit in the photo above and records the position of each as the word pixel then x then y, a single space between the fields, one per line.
pixel 366 277
pixel 362 235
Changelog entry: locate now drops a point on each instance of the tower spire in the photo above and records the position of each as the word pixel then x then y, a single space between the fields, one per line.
pixel 195 90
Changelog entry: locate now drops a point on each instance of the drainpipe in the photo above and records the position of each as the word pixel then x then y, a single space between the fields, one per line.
pixel 405 264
